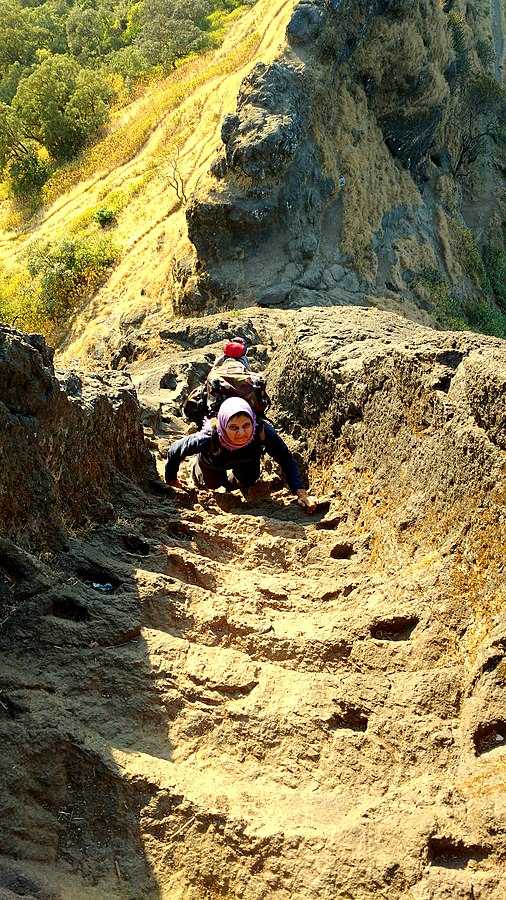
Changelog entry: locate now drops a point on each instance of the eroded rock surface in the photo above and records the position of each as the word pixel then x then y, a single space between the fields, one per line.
pixel 65 440
pixel 242 701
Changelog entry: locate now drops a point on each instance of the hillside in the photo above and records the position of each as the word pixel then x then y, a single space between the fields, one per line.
pixel 152 226
pixel 401 233
pixel 324 194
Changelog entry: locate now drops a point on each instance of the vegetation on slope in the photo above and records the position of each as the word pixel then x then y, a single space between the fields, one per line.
pixel 63 65
pixel 430 72
pixel 101 54
pixel 59 275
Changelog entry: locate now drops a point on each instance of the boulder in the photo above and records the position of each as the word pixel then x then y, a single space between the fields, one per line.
pixel 264 135
pixel 276 295
pixel 306 24
pixel 68 439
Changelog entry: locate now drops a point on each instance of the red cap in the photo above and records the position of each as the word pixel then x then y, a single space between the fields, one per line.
pixel 235 348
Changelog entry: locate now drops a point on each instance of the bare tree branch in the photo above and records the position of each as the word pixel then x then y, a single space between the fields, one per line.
pixel 176 180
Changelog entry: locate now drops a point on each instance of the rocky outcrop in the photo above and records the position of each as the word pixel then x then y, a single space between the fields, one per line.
pixel 68 439
pixel 306 24
pixel 266 142
pixel 361 377
pixel 334 162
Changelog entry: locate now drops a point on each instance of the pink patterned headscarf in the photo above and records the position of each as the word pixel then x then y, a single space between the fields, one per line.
pixel 229 408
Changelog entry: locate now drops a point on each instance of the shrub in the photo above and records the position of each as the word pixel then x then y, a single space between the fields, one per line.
pixel 467 252
pixel 19 302
pixel 105 216
pixel 68 270
pixel 481 314
pixel 457 312
pixel 26 174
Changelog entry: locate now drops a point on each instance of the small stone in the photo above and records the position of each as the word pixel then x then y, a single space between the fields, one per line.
pixel 338 273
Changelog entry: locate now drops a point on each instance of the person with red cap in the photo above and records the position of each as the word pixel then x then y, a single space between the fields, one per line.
pixel 235 349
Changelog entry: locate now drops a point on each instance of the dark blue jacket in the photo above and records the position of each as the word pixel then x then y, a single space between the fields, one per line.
pixel 219 458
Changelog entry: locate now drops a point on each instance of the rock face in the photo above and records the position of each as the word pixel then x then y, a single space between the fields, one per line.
pixel 335 158
pixel 65 441
pixel 267 142
pixel 306 23
pixel 218 699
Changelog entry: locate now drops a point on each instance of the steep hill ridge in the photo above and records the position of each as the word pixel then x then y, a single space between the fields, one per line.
pixel 333 185
pixel 153 229
pixel 205 699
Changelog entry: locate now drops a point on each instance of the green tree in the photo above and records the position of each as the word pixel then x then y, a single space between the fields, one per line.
pixel 89 33
pixel 62 105
pixel 128 62
pixel 120 23
pixel 26 174
pixel 482 109
pixel 20 161
pixel 172 29
pixel 48 21
pixel 134 22
pixel 477 107
pixel 13 143
pixel 10 81
pixel 17 39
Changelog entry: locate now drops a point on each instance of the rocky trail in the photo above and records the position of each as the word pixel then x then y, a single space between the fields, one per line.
pixel 202 697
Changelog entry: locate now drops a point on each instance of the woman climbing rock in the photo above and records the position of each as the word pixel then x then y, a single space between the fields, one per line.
pixel 234 441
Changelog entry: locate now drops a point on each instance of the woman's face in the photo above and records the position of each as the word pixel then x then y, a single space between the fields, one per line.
pixel 239 429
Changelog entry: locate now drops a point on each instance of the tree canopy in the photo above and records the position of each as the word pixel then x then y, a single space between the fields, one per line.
pixel 171 29
pixel 61 105
pixel 59 61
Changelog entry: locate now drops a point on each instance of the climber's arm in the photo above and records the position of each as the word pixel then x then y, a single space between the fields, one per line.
pixel 182 448
pixel 277 448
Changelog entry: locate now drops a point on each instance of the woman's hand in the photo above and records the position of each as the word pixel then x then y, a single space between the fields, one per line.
pixel 307 503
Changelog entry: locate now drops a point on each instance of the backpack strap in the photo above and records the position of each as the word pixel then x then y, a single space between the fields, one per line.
pixel 215 440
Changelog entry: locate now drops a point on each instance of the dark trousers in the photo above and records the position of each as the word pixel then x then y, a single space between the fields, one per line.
pixel 206 476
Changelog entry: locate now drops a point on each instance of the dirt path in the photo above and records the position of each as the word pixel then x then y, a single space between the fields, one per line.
pixel 254 619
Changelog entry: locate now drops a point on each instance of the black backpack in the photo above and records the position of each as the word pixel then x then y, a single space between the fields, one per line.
pixel 228 378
